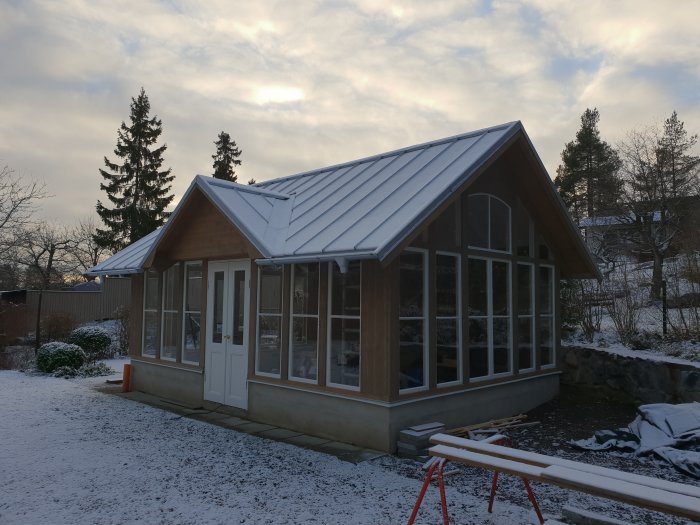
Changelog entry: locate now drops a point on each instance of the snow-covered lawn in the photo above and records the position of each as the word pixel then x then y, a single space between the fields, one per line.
pixel 72 455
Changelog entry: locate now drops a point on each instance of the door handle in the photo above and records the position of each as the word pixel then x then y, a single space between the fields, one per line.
pixel 227 337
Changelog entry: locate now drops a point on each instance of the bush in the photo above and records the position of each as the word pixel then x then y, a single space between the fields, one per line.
pixel 95 341
pixel 52 356
pixel 92 370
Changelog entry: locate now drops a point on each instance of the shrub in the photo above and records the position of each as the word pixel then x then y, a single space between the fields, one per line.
pixel 91 370
pixel 55 355
pixel 95 341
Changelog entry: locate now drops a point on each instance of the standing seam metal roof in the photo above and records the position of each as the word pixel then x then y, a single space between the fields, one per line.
pixel 359 209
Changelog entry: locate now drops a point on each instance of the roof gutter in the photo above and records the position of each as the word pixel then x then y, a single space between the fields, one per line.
pixel 114 271
pixel 342 258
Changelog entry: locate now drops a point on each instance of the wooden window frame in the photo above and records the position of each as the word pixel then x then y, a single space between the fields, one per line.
pixel 488 224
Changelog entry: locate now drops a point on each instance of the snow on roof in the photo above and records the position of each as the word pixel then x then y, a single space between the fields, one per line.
pixel 129 260
pixel 362 209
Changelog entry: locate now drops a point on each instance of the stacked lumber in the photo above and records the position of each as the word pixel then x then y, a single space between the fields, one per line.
pixel 494 426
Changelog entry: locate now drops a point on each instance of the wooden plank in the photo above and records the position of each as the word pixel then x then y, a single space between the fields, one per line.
pixel 543 460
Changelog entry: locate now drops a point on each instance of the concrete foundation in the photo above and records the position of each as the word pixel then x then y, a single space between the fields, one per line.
pixel 370 424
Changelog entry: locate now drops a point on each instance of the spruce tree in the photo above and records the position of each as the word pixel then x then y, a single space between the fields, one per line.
pixel 138 189
pixel 226 157
pixel 587 179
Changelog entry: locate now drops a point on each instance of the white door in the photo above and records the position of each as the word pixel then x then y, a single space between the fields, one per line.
pixel 226 350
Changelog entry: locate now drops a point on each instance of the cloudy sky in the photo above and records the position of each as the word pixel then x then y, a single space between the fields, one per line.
pixel 301 85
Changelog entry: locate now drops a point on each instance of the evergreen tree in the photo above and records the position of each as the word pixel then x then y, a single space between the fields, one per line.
pixel 226 157
pixel 137 188
pixel 587 179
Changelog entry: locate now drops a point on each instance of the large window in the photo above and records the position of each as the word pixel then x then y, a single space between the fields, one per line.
pixel 344 320
pixel 151 314
pixel 547 345
pixel 488 223
pixel 526 317
pixel 489 317
pixel 447 323
pixel 413 349
pixel 170 325
pixel 192 313
pixel 303 358
pixel 269 320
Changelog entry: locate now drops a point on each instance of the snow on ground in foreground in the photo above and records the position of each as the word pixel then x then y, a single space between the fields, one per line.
pixel 73 455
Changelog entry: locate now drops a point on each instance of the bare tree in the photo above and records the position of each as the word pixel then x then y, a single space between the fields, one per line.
pixel 44 251
pixel 17 204
pixel 84 250
pixel 659 175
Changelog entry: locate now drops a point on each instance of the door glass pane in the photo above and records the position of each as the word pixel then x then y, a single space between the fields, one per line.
pixel 477 287
pixel 411 284
pixel 217 329
pixel 304 343
pixel 447 361
pixel 238 317
pixel 411 354
pixel 478 348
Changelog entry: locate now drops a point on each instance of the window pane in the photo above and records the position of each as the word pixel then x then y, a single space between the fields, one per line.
pixel 501 345
pixel 151 283
pixel 345 352
pixel 150 334
pixel 411 354
pixel 271 289
pixel 305 289
pixel 546 341
pixel 217 328
pixel 477 221
pixel 170 331
pixel 346 290
pixel 304 358
pixel 170 295
pixel 190 346
pixel 193 292
pixel 238 307
pixel 500 226
pixel 269 339
pixel 500 276
pixel 411 284
pixel 524 289
pixel 525 343
pixel 477 287
pixel 546 284
pixel 478 348
pixel 447 351
pixel 446 283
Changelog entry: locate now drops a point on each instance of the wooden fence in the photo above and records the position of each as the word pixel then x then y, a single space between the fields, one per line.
pixel 82 307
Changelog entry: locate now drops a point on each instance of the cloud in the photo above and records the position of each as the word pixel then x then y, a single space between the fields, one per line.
pixel 300 85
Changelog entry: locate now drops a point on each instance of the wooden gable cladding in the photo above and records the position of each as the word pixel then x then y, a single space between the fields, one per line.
pixel 201 231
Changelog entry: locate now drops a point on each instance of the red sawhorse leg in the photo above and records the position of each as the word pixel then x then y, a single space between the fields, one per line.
pixel 530 496
pixel 437 465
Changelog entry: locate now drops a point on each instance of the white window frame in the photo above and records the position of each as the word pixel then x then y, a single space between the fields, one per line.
pixel 488 224
pixel 292 316
pixel 257 325
pixel 185 312
pixel 426 333
pixel 490 317
pixel 330 333
pixel 533 323
pixel 156 311
pixel 458 314
pixel 163 311
pixel 552 317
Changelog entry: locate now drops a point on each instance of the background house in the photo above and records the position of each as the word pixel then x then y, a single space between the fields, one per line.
pixel 356 300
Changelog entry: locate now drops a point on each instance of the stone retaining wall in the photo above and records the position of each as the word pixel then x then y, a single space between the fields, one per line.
pixel 645 380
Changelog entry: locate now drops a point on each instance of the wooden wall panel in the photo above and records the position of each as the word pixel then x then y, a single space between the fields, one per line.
pixel 136 315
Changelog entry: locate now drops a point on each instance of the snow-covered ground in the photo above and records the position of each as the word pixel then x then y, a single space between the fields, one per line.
pixel 73 455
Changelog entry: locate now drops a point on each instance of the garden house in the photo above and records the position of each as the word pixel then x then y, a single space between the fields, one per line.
pixel 354 301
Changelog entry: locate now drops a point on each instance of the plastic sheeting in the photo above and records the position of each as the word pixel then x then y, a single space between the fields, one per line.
pixel 671 432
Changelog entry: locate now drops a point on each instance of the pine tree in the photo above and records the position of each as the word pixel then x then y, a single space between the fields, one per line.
pixel 137 188
pixel 226 157
pixel 587 179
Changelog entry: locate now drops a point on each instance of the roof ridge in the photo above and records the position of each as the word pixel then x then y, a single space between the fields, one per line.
pixel 391 153
pixel 247 188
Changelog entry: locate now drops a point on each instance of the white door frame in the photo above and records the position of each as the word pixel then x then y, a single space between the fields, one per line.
pixel 225 361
